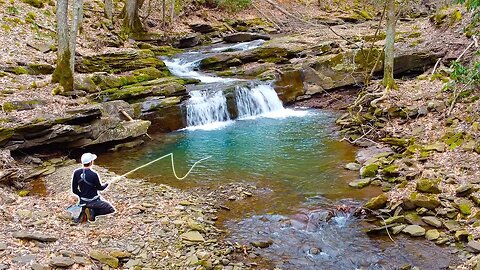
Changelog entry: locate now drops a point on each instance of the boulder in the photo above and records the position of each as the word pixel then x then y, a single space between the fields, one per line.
pixel 36 236
pixel 188 41
pixel 414 230
pixel 243 37
pixel 289 85
pixel 119 61
pixel 432 221
pixel 203 28
pixel 428 185
pixel 377 202
pixel 421 200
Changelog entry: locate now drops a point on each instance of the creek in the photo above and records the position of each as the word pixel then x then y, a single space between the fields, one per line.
pixel 294 158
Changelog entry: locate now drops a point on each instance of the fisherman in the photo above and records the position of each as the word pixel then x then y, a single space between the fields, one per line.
pixel 86 184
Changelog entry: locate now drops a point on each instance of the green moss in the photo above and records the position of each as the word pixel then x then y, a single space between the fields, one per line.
pixel 396 141
pixel 377 202
pixel 369 170
pixel 20 70
pixel 414 34
pixel 6 133
pixel 63 74
pixel 455 17
pixel 30 17
pixel 35 3
pixel 6 28
pixel 455 140
pixel 151 72
pixel 23 193
pixel 39 68
pixel 465 208
pixel 428 185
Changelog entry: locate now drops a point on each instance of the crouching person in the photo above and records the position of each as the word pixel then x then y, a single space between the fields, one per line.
pixel 86 184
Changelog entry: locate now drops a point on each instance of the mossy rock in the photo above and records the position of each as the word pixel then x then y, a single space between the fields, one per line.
pixel 35 3
pixel 421 200
pixel 396 141
pixel 360 183
pixel 369 170
pixel 438 146
pixel 377 202
pixel 160 50
pixel 391 170
pixel 40 68
pixel 6 134
pixel 428 185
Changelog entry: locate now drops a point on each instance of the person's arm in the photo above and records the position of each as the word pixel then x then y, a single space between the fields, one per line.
pixel 75 189
pixel 98 184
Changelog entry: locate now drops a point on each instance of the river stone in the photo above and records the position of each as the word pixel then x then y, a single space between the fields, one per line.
pixel 192 236
pixel 413 218
pixel 432 235
pixel 360 183
pixel 432 221
pixel 3 246
pixel 262 244
pixel 62 262
pixel 367 153
pixel 353 166
pixel 132 263
pixel 104 258
pixel 36 266
pixel 421 200
pixel 464 190
pixel 120 254
pixel 474 245
pixel 414 230
pixel 34 236
pixel 461 235
pixel 395 219
pixel 428 186
pixel 451 225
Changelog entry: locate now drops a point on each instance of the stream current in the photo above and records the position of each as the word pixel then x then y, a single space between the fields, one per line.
pixel 292 155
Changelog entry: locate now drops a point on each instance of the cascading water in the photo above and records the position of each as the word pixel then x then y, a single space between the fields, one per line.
pixel 256 101
pixel 206 108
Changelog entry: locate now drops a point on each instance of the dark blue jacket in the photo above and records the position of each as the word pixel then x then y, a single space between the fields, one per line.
pixel 84 189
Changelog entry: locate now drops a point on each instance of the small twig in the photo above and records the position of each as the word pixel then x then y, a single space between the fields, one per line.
pixel 466 49
pixel 131 119
pixel 266 17
pixel 436 64
pixel 386 229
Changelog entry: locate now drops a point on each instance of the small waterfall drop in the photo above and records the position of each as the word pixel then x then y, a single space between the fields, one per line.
pixel 206 108
pixel 258 100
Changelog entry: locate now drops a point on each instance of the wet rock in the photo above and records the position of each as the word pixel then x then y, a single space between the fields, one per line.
pixel 61 262
pixel 395 219
pixel 461 235
pixel 464 190
pixel 104 258
pixel 377 202
pixel 23 235
pixel 432 221
pixel 360 183
pixel 353 166
pixel 192 236
pixel 428 185
pixel 414 230
pixel 432 235
pixel 474 245
pixel 243 37
pixel 262 244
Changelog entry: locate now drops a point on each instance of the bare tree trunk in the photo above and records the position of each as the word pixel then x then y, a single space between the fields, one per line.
pixel 388 80
pixel 76 23
pixel 108 9
pixel 172 11
pixel 164 13
pixel 63 73
pixel 131 22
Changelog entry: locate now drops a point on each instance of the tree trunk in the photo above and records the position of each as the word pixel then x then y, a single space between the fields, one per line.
pixel 131 22
pixel 164 13
pixel 63 73
pixel 108 9
pixel 388 80
pixel 172 11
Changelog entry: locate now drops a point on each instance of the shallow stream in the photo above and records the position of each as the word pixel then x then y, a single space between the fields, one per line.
pixel 295 159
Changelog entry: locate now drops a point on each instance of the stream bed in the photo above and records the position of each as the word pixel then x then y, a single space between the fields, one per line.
pixel 294 158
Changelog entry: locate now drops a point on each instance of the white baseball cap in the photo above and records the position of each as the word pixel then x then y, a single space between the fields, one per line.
pixel 87 158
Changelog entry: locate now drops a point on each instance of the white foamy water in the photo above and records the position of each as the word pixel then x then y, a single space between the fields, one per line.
pixel 205 107
pixel 243 46
pixel 185 69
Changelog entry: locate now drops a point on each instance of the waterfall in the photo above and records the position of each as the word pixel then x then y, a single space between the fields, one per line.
pixel 258 100
pixel 205 107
